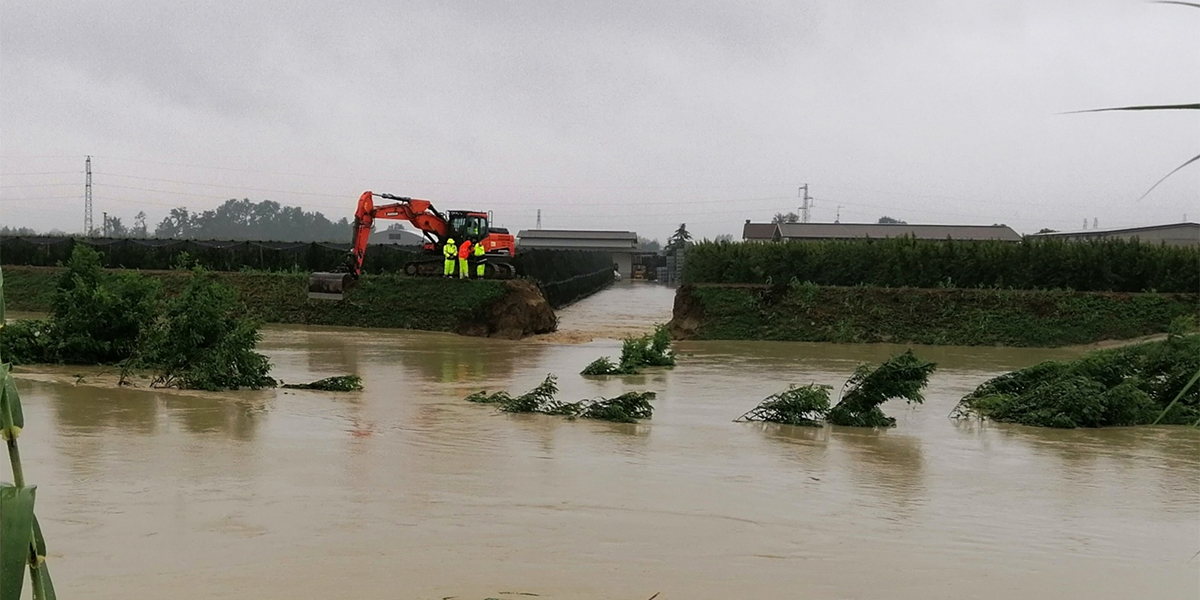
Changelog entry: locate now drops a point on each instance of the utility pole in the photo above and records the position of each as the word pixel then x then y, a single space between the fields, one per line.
pixel 805 203
pixel 87 198
pixel 539 221
pixel 838 218
pixel 1095 223
pixel 104 223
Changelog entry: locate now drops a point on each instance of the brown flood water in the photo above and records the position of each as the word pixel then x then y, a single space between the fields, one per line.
pixel 406 491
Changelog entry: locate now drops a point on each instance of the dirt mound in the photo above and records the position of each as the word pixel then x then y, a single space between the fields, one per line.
pixel 688 314
pixel 522 311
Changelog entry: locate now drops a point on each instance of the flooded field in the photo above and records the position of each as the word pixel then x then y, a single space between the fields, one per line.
pixel 405 491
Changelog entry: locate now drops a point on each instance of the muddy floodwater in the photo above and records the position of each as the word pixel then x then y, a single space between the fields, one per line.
pixel 406 491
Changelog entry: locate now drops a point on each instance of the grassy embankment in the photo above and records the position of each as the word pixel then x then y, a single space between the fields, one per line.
pixel 966 317
pixel 377 300
pixel 1031 293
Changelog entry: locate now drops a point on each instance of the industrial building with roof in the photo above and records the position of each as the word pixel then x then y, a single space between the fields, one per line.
pixel 620 244
pixel 854 231
pixel 1174 234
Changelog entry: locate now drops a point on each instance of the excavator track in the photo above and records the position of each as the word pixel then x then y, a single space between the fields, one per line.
pixel 494 268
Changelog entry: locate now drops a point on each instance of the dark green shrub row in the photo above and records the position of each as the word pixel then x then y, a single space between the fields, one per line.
pixel 545 266
pixel 1103 265
pixel 214 255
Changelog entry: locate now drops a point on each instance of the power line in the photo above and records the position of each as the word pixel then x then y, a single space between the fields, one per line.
pixel 33 185
pixel 71 197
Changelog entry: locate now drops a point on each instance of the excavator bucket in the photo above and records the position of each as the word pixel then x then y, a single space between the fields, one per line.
pixel 328 286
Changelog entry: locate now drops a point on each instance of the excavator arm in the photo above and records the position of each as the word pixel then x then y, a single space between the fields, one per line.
pixel 330 286
pixel 414 210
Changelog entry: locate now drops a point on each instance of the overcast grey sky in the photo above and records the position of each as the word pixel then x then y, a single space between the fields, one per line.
pixel 614 114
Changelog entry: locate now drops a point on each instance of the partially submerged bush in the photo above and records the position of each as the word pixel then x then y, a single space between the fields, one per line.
pixel 626 408
pixel 539 399
pixel 204 341
pixel 1122 386
pixel 94 319
pixel 805 405
pixel 601 366
pixel 24 342
pixel 902 376
pixel 341 383
pixel 650 350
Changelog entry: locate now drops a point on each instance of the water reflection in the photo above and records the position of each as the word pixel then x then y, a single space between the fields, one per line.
pixel 885 463
pixel 404 485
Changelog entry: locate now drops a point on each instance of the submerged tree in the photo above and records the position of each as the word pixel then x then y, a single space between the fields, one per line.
pixel 650 350
pixel 806 405
pixel 204 341
pixel 626 408
pixel 902 376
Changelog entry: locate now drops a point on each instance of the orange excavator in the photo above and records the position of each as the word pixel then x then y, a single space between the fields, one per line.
pixel 458 225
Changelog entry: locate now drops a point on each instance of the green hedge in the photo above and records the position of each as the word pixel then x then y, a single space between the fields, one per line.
pixel 1106 265
pixel 392 301
pixel 565 275
pixel 959 317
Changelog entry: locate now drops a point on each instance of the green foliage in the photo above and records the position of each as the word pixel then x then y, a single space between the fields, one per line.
pixel 626 408
pixel 902 376
pixel 95 319
pixel 204 341
pixel 482 397
pixel 650 350
pixel 341 383
pixel 962 317
pixel 16 530
pixel 98 320
pixel 24 342
pixel 1101 265
pixel 1123 386
pixel 680 240
pixel 601 366
pixel 539 399
pixel 805 405
pixel 21 540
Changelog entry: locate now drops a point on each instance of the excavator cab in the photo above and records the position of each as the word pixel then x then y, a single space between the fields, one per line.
pixel 469 225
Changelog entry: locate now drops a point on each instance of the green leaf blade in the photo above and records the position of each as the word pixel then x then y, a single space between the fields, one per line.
pixel 16 527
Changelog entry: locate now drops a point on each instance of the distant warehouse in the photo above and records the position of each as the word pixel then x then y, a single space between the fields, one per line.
pixel 857 231
pixel 1175 234
pixel 620 244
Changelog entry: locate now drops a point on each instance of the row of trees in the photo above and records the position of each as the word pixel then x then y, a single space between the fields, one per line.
pixel 247 220
pixel 1100 265
pixel 234 220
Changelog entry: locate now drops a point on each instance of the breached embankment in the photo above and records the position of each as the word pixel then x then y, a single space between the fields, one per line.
pixel 959 317
pixel 510 309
